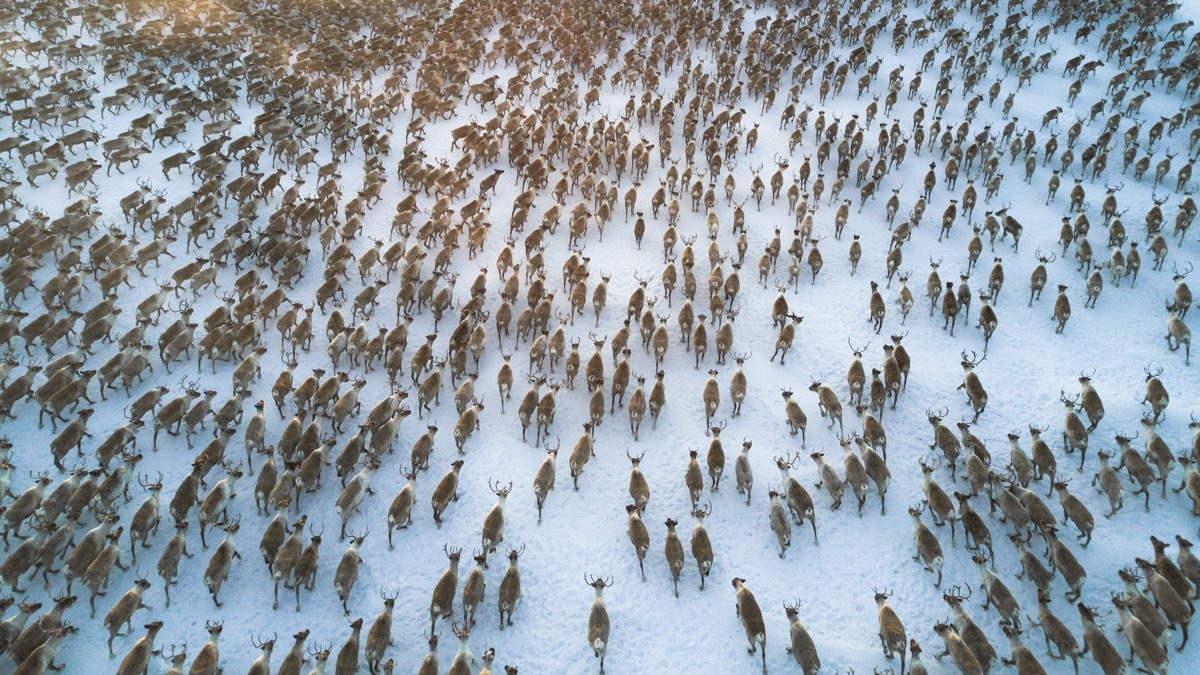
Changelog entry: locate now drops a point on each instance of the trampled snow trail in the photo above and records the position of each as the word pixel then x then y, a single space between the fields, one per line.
pixel 584 531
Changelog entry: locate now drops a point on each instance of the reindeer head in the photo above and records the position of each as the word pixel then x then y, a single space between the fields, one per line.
pixel 499 491
pixel 969 364
pixel 935 417
pixel 598 583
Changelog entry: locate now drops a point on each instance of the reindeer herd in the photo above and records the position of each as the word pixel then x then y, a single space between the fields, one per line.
pixel 267 135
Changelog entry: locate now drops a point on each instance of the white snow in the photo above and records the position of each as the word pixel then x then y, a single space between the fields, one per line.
pixel 583 531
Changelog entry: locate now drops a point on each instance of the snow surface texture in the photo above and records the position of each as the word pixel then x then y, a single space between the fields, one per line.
pixel 584 531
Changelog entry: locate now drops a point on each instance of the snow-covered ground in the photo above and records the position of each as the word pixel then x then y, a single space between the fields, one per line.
pixel 584 532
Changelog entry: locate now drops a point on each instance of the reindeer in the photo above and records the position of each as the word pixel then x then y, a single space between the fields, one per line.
pixel 598 622
pixel 379 636
pixel 347 570
pixel 799 502
pixel 827 403
pixel 1178 335
pixel 891 631
pixel 976 395
pixel 752 620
